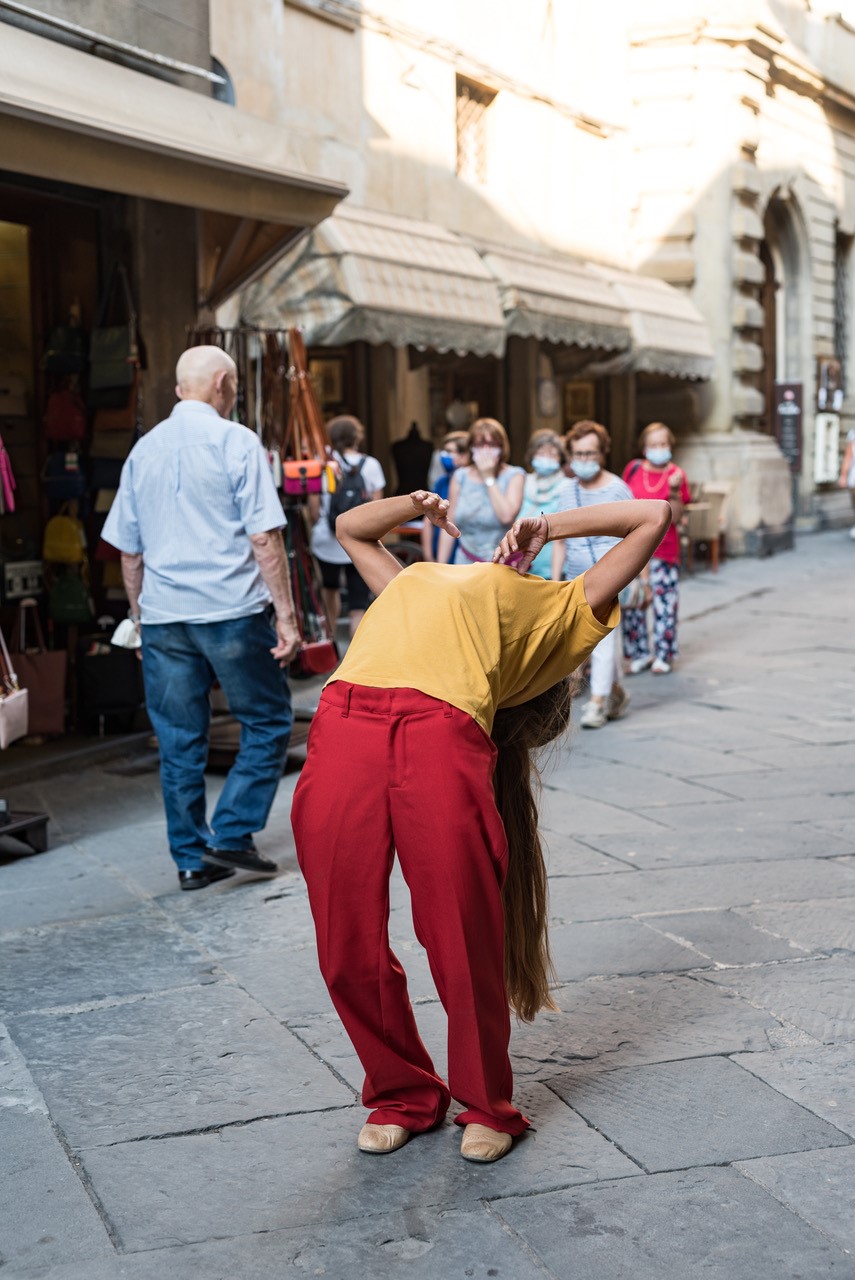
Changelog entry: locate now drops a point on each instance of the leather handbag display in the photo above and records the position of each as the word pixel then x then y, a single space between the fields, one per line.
pixel 69 601
pixel 305 446
pixel 111 444
pixel 64 539
pixel 114 351
pixel 14 718
pixel 63 476
pixel 302 477
pixel 65 350
pixel 64 416
pixel 40 670
pixel 124 416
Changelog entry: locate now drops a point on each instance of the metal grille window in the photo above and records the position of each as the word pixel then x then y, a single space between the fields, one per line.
pixel 473 101
pixel 842 305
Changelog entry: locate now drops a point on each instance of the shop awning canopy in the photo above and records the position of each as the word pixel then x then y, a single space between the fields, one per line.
pixel 557 299
pixel 669 334
pixel 71 117
pixel 376 277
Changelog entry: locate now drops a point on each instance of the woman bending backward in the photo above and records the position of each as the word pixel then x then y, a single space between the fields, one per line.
pixel 422 745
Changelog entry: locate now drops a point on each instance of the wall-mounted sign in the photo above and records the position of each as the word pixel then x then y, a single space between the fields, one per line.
pixel 829 384
pixel 788 422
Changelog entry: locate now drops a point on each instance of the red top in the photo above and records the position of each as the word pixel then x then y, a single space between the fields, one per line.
pixel 646 483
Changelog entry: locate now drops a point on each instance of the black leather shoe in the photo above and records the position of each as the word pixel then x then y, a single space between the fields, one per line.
pixel 245 860
pixel 202 878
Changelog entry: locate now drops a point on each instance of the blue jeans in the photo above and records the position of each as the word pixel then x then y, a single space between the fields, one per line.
pixel 181 661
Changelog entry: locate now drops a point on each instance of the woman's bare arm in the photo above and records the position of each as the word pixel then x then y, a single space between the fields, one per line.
pixel 446 542
pixel 506 506
pixel 359 531
pixel 641 525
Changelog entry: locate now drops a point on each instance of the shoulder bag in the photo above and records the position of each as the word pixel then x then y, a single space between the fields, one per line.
pixel 14 717
pixel 41 671
pixel 114 351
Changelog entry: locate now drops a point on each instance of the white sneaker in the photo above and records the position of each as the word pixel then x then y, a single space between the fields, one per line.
pixel 619 701
pixel 594 715
pixel 660 667
pixel 640 664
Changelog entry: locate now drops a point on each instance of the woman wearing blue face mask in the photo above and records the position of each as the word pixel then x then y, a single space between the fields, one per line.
pixel 588 444
pixel 454 453
pixel 546 491
pixel 654 475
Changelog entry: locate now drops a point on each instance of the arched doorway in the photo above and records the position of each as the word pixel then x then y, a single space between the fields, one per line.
pixel 781 298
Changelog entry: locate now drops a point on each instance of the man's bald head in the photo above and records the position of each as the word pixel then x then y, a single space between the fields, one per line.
pixel 209 375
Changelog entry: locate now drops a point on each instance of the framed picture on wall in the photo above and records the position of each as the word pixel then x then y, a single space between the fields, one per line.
pixel 328 376
pixel 579 401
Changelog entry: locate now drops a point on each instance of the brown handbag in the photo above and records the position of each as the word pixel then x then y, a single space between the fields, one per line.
pixel 123 418
pixel 41 671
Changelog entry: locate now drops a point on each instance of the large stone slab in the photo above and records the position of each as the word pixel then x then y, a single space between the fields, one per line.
pixel 817 1185
pixel 744 813
pixel 423 1244
pixel 632 786
pixel 567 857
pixel 816 995
pixel 612 947
pixel 288 983
pixel 816 926
pixel 327 1038
pixel 70 964
pixel 726 937
pixel 253 913
pixel 58 886
pixel 182 1060
pixel 710 1222
pixel 662 755
pixel 46 1217
pixel 821 1078
pixel 814 780
pixel 573 815
pixel 730 884
pixel 711 845
pixel 673 1115
pixel 304 1170
pixel 629 1020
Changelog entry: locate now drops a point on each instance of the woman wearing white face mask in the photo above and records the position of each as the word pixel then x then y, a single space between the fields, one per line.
pixel 654 475
pixel 588 444
pixel 484 497
pixel 546 491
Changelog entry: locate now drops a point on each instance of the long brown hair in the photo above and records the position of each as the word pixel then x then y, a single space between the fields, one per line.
pixel 519 733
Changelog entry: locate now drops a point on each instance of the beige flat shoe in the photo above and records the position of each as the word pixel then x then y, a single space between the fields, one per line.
pixel 380 1139
pixel 484 1145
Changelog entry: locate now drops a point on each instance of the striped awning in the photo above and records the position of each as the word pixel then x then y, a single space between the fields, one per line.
pixel 669 334
pixel 557 299
pixel 375 277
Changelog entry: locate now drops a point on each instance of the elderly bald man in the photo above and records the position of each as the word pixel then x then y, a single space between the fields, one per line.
pixel 198 522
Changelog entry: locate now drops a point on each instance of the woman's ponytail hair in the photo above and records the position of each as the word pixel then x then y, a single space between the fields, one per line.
pixel 519 733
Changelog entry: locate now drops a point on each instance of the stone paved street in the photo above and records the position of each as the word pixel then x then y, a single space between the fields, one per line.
pixel 179 1099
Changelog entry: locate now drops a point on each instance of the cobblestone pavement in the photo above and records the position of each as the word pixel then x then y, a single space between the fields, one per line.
pixel 179 1099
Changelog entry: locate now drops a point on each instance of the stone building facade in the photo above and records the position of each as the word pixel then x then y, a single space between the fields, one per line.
pixel 714 155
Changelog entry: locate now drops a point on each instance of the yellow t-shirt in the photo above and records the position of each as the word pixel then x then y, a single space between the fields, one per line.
pixel 479 636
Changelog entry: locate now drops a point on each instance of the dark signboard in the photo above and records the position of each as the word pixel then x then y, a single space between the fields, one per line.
pixel 788 422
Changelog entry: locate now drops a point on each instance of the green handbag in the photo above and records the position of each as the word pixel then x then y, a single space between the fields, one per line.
pixel 69 601
pixel 113 350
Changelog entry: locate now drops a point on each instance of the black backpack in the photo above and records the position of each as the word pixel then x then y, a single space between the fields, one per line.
pixel 349 492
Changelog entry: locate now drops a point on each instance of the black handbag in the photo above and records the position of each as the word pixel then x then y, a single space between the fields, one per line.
pixel 114 351
pixel 65 350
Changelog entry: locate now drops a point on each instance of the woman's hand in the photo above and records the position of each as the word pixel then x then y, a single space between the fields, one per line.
pixel 435 509
pixel 487 459
pixel 522 543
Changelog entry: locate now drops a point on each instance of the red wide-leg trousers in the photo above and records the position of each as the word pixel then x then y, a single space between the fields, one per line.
pixel 395 770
